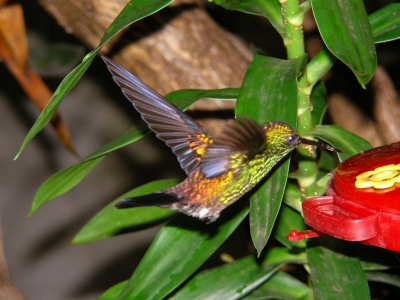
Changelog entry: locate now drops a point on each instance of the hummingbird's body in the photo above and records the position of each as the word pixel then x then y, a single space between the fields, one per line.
pixel 205 198
pixel 220 169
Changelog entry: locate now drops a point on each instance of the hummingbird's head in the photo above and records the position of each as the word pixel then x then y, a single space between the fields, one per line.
pixel 282 137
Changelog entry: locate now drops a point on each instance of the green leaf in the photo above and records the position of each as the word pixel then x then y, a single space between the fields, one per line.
pixel 269 93
pixel 113 292
pixel 54 187
pixel 384 278
pixel 335 272
pixel 374 266
pixel 340 138
pixel 375 258
pixel 110 221
pixel 265 203
pixel 132 12
pixel 230 281
pixel 68 178
pixel 321 184
pixel 285 255
pixel 281 286
pixel 288 220
pixel 347 33
pixel 64 88
pixel 292 197
pixel 177 251
pixel 327 163
pixel 319 104
pixel 385 23
pixel 383 30
pixel 269 9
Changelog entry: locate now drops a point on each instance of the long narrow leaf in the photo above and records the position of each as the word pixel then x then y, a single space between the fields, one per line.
pixel 375 258
pixel 335 272
pixel 54 187
pixel 385 27
pixel 278 284
pixel 110 221
pixel 340 138
pixel 385 23
pixel 269 9
pixel 319 104
pixel 230 281
pixel 384 278
pixel 113 292
pixel 275 256
pixel 347 33
pixel 285 255
pixel 135 10
pixel 288 220
pixel 269 93
pixel 281 286
pixel 177 251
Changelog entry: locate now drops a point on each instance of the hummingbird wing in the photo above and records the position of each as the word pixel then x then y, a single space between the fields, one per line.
pixel 239 142
pixel 185 136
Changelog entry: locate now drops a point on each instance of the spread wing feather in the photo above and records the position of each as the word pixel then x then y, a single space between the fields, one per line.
pixel 239 142
pixel 194 145
pixel 180 132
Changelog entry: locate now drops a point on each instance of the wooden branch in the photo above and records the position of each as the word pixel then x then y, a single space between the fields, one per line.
pixel 180 47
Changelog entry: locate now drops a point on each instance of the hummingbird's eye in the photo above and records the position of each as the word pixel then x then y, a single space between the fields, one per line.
pixel 292 139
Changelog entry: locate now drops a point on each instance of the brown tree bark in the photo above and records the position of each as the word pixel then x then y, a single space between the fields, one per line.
pixel 179 47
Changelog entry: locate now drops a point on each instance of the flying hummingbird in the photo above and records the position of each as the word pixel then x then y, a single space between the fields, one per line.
pixel 219 169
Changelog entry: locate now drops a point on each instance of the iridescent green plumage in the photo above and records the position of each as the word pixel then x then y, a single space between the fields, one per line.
pixel 220 169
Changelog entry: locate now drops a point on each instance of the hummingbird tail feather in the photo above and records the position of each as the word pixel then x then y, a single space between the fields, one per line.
pixel 156 199
pixel 166 200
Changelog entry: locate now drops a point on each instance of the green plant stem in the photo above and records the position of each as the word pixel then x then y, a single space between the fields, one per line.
pixel 316 68
pixel 293 36
pixel 319 65
pixel 293 15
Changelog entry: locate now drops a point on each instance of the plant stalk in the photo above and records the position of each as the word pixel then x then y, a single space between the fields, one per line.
pixel 293 17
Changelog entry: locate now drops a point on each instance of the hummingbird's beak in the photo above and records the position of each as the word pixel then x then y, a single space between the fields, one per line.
pixel 318 144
